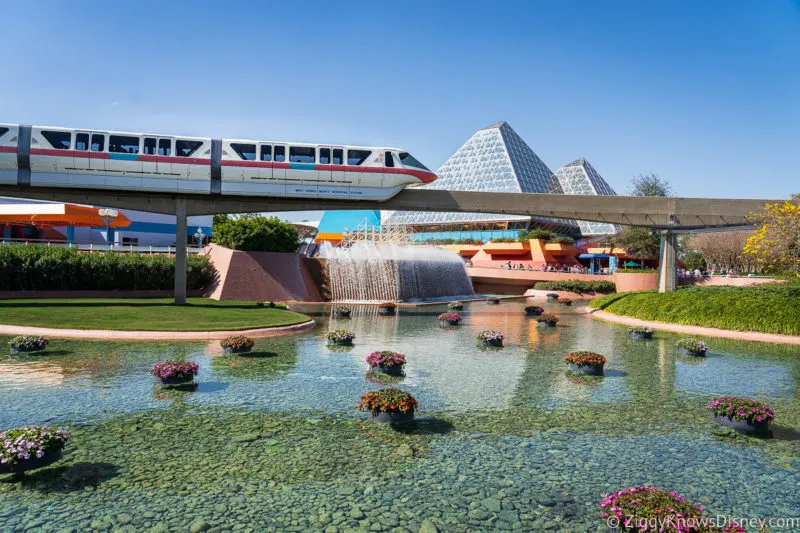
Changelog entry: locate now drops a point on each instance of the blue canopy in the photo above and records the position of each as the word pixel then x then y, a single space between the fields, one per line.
pixel 593 256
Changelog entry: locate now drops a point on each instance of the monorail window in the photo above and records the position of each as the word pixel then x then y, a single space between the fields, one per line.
pixel 98 142
pixel 165 147
pixel 408 160
pixel 389 160
pixel 245 151
pixel 302 154
pixel 186 148
pixel 356 157
pixel 280 154
pixel 149 146
pixel 325 156
pixel 123 144
pixel 3 131
pixel 82 141
pixel 338 156
pixel 266 152
pixel 60 140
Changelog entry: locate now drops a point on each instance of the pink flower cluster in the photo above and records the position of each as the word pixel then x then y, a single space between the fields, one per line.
pixel 746 409
pixel 23 443
pixel 450 317
pixel 174 369
pixel 386 358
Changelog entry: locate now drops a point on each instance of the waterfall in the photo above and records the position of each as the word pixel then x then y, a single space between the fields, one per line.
pixel 390 272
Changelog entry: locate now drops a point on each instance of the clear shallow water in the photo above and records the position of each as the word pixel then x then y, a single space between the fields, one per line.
pixel 507 439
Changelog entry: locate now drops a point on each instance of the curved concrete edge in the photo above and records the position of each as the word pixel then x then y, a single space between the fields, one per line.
pixel 108 334
pixel 696 330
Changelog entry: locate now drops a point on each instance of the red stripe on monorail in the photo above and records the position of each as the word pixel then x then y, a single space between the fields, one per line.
pixel 8 149
pixel 103 155
pixel 423 176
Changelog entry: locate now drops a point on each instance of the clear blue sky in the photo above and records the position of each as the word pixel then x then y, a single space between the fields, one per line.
pixel 706 94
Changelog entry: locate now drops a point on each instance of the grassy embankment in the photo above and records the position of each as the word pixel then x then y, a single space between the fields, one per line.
pixel 773 308
pixel 144 314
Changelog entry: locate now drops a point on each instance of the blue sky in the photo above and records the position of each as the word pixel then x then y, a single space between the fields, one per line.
pixel 706 94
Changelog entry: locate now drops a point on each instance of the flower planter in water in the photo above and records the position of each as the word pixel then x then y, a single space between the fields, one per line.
pixel 641 336
pixel 533 312
pixel 493 302
pixel 175 380
pixel 456 306
pixel 695 353
pixel 495 343
pixel 589 370
pixel 391 416
pixel 339 314
pixel 760 428
pixel 348 342
pixel 450 322
pixel 16 351
pixel 244 349
pixel 552 297
pixel 568 302
pixel 32 463
pixel 396 370
pixel 546 324
pixel 388 311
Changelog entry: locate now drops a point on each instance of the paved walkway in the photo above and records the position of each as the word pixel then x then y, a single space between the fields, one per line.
pixel 698 330
pixel 107 334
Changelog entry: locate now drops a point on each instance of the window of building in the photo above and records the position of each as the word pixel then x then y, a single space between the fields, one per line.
pixel 356 157
pixel 280 154
pixel 60 140
pixel 165 147
pixel 186 148
pixel 302 154
pixel 389 160
pixel 325 156
pixel 409 161
pixel 82 141
pixel 149 146
pixel 266 152
pixel 98 142
pixel 3 131
pixel 122 144
pixel 338 156
pixel 130 240
pixel 245 151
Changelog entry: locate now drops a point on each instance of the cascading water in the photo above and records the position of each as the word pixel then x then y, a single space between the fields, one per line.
pixel 390 272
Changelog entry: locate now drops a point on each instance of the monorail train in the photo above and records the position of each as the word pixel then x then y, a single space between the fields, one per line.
pixel 61 157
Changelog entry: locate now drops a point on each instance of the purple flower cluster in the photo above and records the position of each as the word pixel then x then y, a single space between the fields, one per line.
pixel 28 442
pixel 450 317
pixel 28 342
pixel 737 408
pixel 174 369
pixel 386 358
pixel 490 335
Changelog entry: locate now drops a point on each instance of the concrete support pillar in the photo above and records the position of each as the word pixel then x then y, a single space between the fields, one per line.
pixel 668 263
pixel 70 234
pixel 6 232
pixel 180 252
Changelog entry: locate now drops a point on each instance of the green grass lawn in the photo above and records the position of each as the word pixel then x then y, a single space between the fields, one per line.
pixel 144 314
pixel 773 308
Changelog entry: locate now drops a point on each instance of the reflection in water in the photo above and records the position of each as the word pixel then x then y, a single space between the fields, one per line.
pixel 278 429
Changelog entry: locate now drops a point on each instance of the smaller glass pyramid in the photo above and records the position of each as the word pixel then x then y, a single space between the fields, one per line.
pixel 580 177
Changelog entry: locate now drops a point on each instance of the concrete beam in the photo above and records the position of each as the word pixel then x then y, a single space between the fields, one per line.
pixel 180 252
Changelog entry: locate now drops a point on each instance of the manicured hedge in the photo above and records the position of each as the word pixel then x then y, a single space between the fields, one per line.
pixel 576 285
pixel 45 268
pixel 761 308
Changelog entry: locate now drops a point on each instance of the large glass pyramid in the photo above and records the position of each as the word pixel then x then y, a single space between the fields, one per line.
pixel 494 159
pixel 580 177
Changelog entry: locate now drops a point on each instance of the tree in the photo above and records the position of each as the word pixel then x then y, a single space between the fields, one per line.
pixel 694 260
pixel 650 185
pixel 725 249
pixel 639 242
pixel 255 234
pixel 775 243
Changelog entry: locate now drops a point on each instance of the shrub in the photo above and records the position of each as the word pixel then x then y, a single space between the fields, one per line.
pixel 341 335
pixel 561 240
pixel 386 359
pixel 746 409
pixel 504 239
pixel 585 359
pixel 692 345
pixel 237 342
pixel 450 317
pixel 256 234
pixel 21 444
pixel 548 318
pixel 641 330
pixel 388 400
pixel 28 342
pixel 644 508
pixel 45 268
pixel 534 234
pixel 174 368
pixel 624 270
pixel 490 335
pixel 576 285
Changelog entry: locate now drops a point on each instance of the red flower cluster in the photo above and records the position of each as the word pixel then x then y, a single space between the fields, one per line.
pixel 388 400
pixel 237 342
pixel 585 359
pixel 388 305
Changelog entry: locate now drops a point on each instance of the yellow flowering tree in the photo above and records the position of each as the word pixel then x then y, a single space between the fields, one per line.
pixel 775 243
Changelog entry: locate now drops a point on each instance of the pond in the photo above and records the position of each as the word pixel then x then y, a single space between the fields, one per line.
pixel 506 439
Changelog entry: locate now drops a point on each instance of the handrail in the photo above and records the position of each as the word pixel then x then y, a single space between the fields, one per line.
pixel 102 246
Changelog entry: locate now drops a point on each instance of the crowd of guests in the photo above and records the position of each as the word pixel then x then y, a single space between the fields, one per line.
pixel 571 269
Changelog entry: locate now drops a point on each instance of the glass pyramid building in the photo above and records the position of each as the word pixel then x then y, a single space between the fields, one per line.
pixel 580 177
pixel 494 159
